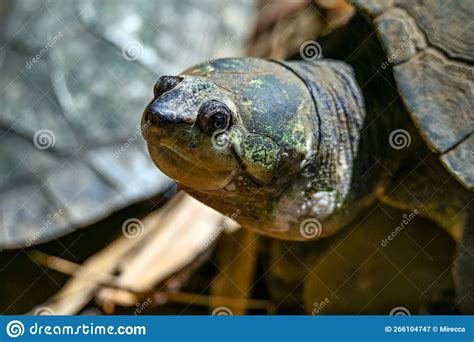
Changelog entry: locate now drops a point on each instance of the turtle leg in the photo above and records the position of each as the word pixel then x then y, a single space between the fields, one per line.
pixel 464 269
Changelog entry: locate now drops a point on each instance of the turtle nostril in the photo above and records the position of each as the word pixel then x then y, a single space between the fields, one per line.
pixel 166 83
pixel 150 119
pixel 163 108
pixel 152 115
pixel 158 114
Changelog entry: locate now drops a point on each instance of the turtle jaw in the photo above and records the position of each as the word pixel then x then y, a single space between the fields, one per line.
pixel 187 172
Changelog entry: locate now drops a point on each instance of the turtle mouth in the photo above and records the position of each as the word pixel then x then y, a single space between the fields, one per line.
pixel 188 172
pixel 171 153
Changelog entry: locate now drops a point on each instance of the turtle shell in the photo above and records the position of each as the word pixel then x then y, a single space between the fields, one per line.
pixel 430 46
pixel 72 88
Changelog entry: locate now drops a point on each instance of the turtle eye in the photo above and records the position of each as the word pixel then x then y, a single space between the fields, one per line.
pixel 218 121
pixel 214 116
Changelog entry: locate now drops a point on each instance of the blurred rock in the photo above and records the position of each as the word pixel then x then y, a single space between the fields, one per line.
pixel 76 76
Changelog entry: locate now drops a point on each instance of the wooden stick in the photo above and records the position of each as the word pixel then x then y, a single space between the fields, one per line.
pixel 173 237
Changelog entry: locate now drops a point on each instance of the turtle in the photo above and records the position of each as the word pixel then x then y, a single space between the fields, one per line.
pixel 69 154
pixel 296 149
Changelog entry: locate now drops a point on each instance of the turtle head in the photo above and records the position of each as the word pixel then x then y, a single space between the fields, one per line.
pixel 180 125
pixel 247 134
pixel 225 124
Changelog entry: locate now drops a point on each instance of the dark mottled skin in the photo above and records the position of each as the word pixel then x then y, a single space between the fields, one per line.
pixel 412 177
